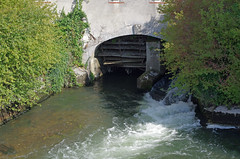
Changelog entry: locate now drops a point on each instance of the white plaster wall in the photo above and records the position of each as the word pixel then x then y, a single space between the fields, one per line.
pixel 112 20
pixel 67 5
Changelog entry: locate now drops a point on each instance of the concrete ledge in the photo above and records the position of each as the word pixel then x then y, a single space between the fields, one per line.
pixel 217 115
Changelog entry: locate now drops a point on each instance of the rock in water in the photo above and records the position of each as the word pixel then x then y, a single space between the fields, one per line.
pixel 81 76
pixel 175 95
pixel 147 80
pixel 159 90
pixel 95 68
pixel 6 150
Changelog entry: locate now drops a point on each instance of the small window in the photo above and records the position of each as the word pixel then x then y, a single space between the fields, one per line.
pixel 156 1
pixel 115 1
pixel 45 1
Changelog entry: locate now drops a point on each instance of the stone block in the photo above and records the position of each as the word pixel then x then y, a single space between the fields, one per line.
pixel 81 76
pixel 95 68
pixel 147 80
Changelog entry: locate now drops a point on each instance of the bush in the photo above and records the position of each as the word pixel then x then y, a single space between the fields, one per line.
pixel 29 48
pixel 71 27
pixel 203 48
pixel 37 53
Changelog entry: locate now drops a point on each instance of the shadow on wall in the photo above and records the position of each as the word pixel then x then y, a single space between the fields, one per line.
pixel 153 26
pixel 86 1
pixel 150 28
pixel 75 2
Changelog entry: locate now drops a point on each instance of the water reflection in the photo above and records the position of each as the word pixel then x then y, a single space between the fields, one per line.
pixel 120 93
pixel 62 116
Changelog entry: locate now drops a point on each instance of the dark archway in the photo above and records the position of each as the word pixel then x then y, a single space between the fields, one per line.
pixel 125 52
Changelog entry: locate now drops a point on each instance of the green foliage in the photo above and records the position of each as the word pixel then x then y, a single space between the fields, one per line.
pixel 28 50
pixel 203 47
pixel 92 77
pixel 56 76
pixel 73 26
pixel 37 51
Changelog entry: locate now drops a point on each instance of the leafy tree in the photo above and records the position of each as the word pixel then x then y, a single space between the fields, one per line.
pixel 203 48
pixel 37 51
pixel 29 48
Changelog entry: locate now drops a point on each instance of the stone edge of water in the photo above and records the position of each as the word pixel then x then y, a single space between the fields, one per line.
pixel 16 115
pixel 213 115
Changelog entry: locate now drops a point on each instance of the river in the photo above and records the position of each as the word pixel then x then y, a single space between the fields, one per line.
pixel 112 120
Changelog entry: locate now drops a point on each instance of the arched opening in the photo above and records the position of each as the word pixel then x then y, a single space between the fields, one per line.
pixel 125 53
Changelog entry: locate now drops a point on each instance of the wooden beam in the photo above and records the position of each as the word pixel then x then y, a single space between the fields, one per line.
pixel 124 43
pixel 122 61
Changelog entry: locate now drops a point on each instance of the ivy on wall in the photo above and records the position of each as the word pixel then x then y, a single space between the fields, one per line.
pixel 73 26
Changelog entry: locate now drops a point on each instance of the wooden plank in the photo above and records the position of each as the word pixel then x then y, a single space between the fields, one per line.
pixel 106 59
pixel 130 65
pixel 125 43
pixel 121 62
pixel 127 66
pixel 106 48
pixel 123 53
pixel 124 56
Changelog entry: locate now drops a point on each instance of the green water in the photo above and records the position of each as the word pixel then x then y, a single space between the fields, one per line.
pixel 112 120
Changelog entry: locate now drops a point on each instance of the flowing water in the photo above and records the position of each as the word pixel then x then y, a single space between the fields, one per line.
pixel 112 120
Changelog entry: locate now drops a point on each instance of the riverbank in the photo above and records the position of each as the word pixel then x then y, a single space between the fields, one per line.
pixel 222 115
pixel 7 115
pixel 41 52
pixel 81 76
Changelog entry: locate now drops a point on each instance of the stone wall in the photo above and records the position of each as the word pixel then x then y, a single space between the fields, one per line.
pixel 217 114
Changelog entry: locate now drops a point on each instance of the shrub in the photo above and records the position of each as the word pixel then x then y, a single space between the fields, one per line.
pixel 203 48
pixel 29 48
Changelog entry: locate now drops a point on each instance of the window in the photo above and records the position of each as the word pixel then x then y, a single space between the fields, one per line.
pixel 45 1
pixel 115 1
pixel 156 1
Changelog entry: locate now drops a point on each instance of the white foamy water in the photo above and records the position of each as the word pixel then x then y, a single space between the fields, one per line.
pixel 218 126
pixel 156 125
pixel 177 116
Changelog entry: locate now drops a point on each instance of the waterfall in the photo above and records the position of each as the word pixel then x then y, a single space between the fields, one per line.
pixel 163 90
pixel 175 95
